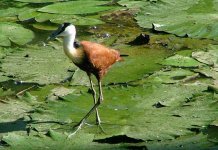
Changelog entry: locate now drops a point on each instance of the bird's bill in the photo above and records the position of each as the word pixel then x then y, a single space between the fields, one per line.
pixel 54 34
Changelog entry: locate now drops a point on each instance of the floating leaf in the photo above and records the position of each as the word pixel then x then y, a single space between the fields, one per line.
pixel 197 18
pixel 135 66
pixel 171 76
pixel 58 92
pixel 39 1
pixel 57 18
pixel 15 33
pixel 12 11
pixel 27 15
pixel 76 7
pixel 4 40
pixel 208 72
pixel 42 65
pixel 45 26
pixel 80 78
pixel 181 61
pixel 77 20
pixel 210 57
pixel 28 97
pixel 129 111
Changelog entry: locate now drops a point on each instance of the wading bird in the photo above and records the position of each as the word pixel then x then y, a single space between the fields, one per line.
pixel 91 57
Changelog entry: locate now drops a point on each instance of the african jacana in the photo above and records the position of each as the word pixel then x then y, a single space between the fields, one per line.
pixel 91 57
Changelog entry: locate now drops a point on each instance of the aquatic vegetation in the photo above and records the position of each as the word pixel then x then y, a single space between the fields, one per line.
pixel 163 95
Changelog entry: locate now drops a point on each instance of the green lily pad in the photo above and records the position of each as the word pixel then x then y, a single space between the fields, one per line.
pixel 141 61
pixel 4 40
pixel 215 123
pixel 208 72
pixel 37 64
pixel 133 112
pixel 76 20
pixel 76 7
pixel 12 123
pixel 12 11
pixel 195 18
pixel 28 14
pixel 209 57
pixel 80 78
pixel 197 142
pixel 12 32
pixel 39 1
pixel 57 18
pixel 181 61
pixel 28 97
pixel 58 92
pixel 45 26
pixel 56 141
pixel 171 76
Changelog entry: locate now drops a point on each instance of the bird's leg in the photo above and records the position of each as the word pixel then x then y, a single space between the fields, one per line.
pixel 98 121
pixel 100 100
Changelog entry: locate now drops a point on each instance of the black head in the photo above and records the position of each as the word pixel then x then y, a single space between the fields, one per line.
pixel 60 30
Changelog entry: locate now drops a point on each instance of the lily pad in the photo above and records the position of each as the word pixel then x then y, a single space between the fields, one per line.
pixel 181 61
pixel 12 32
pixel 45 26
pixel 80 78
pixel 41 65
pixel 130 111
pixel 208 72
pixel 171 76
pixel 76 7
pixel 27 15
pixel 8 12
pixel 12 123
pixel 195 18
pixel 76 20
pixel 58 92
pixel 54 140
pixel 57 18
pixel 209 57
pixel 141 61
pixel 39 1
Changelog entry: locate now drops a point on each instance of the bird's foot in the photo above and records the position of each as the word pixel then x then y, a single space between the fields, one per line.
pixel 77 128
pixel 101 129
pixel 81 123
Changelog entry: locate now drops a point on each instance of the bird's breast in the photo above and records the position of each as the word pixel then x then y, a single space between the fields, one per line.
pixel 76 55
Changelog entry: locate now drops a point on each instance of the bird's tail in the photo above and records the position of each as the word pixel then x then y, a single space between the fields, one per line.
pixel 122 55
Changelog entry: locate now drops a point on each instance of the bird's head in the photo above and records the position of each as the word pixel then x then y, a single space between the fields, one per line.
pixel 64 30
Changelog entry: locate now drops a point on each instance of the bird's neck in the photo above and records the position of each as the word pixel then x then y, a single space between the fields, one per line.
pixel 76 55
pixel 69 43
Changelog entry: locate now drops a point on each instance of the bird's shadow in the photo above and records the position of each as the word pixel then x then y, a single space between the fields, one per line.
pixel 21 125
pixel 17 125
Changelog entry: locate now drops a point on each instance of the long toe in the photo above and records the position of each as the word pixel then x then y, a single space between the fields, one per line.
pixel 101 130
pixel 76 128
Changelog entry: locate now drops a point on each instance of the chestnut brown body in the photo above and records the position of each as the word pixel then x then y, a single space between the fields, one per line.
pixel 97 58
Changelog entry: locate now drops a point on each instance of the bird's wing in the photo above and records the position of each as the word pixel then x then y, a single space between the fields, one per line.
pixel 100 56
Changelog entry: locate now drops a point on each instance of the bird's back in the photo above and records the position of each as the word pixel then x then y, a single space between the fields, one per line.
pixel 99 58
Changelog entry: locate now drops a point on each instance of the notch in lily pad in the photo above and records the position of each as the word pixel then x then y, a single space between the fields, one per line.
pixel 16 33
